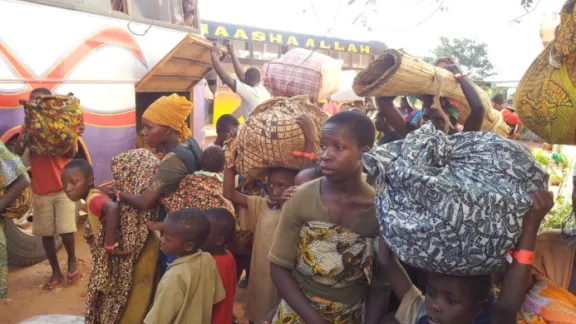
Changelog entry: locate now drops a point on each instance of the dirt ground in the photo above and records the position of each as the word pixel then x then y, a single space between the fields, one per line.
pixel 27 299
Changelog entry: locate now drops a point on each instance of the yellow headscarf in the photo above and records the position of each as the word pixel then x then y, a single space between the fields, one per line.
pixel 171 111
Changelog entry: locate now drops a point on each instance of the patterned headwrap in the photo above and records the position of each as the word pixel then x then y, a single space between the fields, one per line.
pixel 171 111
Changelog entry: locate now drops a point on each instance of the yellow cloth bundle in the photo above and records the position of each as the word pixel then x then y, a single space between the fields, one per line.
pixel 171 111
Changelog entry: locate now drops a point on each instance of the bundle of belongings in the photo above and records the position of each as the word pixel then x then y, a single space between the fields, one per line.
pixel 545 99
pixel 453 204
pixel 52 124
pixel 301 72
pixel 271 136
pixel 202 190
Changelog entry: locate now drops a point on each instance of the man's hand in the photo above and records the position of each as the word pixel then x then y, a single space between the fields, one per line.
pixel 289 193
pixel 542 203
pixel 305 123
pixel 385 102
pixel 452 68
pixel 216 50
pixel 231 49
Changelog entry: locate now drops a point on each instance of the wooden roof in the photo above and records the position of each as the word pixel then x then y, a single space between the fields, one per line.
pixel 181 69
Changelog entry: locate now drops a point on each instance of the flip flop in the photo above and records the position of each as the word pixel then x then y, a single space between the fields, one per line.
pixel 74 276
pixel 50 285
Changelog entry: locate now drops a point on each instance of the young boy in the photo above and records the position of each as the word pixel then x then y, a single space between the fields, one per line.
pixel 261 217
pixel 222 230
pixel 460 300
pixel 78 182
pixel 54 213
pixel 191 286
pixel 226 126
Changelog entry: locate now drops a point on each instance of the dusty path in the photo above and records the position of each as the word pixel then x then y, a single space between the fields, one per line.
pixel 27 299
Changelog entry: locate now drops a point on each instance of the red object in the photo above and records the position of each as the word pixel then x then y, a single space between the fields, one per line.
pixel 310 156
pixel 330 108
pixel 510 117
pixel 523 256
pixel 226 265
pixel 47 173
pixel 95 206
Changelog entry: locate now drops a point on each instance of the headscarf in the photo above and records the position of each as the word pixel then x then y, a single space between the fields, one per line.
pixel 171 111
pixel 451 111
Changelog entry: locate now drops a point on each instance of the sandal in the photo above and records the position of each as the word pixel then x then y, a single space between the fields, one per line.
pixel 50 285
pixel 74 276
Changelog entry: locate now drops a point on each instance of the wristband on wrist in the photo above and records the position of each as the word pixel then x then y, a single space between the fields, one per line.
pixel 310 156
pixel 522 256
pixel 118 195
pixel 458 76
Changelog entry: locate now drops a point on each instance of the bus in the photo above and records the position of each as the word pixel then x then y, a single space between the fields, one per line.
pixel 116 56
pixel 256 46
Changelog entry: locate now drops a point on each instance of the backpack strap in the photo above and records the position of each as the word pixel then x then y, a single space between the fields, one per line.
pixel 190 154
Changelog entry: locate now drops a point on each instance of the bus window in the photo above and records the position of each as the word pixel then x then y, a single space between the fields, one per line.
pixel 266 52
pixel 344 56
pixel 190 7
pixel 119 5
pixel 171 11
pixel 98 5
pixel 360 61
pixel 242 49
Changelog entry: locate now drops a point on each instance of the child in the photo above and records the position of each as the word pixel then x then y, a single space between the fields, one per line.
pixel 78 182
pixel 327 219
pixel 191 286
pixel 202 190
pixel 460 300
pixel 261 218
pixel 222 230
pixel 226 126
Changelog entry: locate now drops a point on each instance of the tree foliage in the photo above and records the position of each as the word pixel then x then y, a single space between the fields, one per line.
pixel 469 54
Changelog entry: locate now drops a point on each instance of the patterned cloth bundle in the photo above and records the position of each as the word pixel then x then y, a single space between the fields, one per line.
pixel 453 204
pixel 202 190
pixel 52 124
pixel 271 136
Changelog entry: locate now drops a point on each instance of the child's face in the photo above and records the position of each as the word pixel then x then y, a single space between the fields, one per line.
pixel 172 242
pixel 222 133
pixel 278 182
pixel 340 155
pixel 76 185
pixel 449 300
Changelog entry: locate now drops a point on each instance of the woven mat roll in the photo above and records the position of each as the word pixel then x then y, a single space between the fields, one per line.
pixel 395 73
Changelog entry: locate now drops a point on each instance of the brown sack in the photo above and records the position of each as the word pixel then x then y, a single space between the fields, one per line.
pixel 270 136
pixel 396 73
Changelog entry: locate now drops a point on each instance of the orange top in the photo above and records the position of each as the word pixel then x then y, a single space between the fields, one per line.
pixel 226 265
pixel 553 258
pixel 46 173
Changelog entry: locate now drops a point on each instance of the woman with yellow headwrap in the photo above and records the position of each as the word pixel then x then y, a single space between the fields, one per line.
pixel 165 128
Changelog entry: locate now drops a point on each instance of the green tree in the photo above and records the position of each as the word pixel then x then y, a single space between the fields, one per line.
pixel 467 53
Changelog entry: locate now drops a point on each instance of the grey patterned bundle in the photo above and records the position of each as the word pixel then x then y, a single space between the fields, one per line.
pixel 453 204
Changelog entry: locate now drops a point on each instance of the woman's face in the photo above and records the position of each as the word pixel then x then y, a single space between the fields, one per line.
pixel 154 134
pixel 340 156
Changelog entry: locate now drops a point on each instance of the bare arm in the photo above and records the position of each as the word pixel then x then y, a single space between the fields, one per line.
pixel 518 274
pixel 220 70
pixel 19 147
pixel 230 191
pixel 13 191
pixel 238 69
pixel 306 124
pixel 289 289
pixel 111 211
pixel 393 115
pixel 399 279
pixel 377 305
pixel 477 110
pixel 72 151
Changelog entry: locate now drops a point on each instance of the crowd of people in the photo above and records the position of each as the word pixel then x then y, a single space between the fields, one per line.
pixel 308 241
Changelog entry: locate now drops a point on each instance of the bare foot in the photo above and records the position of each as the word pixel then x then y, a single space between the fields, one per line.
pixel 54 281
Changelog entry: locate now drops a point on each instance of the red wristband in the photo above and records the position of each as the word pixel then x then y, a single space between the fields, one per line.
pixel 523 256
pixel 110 248
pixel 310 156
pixel 458 76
